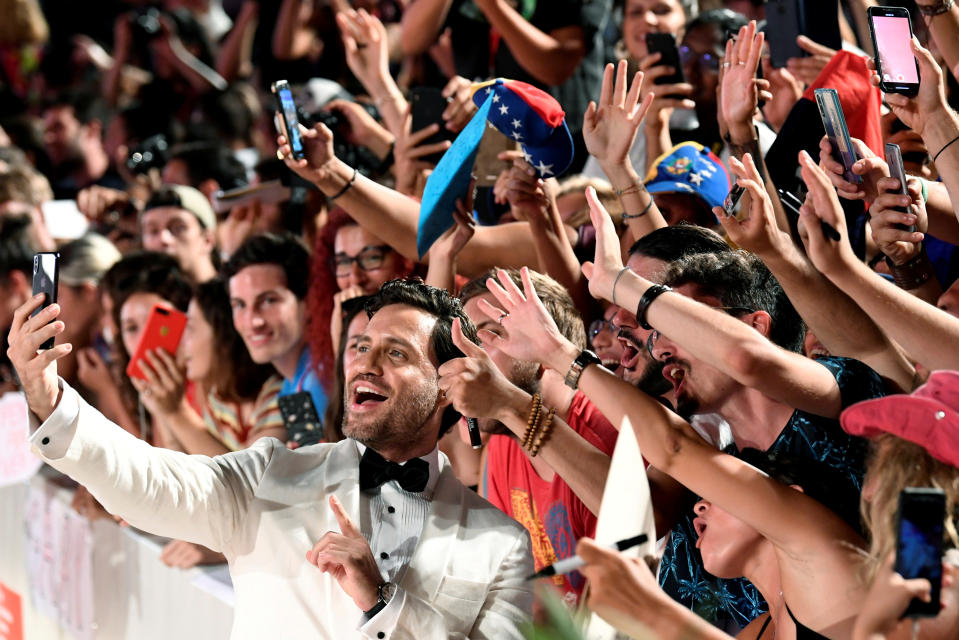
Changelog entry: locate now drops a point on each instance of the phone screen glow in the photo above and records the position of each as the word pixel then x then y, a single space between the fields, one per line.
pixel 895 52
pixel 289 116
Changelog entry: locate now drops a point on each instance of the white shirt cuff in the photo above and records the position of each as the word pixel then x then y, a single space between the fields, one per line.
pixel 383 623
pixel 52 439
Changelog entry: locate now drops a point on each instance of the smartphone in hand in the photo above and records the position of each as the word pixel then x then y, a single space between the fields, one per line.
pixel 665 45
pixel 834 121
pixel 291 124
pixel 919 531
pixel 897 170
pixel 891 32
pixel 163 330
pixel 46 277
pixel 303 425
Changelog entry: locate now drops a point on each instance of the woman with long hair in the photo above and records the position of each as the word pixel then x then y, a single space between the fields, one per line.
pixel 237 398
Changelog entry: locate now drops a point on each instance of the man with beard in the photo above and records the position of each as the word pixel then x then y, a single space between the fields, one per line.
pixel 371 537
pixel 556 499
pixel 649 256
pixel 73 137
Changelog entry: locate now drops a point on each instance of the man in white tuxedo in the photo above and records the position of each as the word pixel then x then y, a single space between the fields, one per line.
pixel 372 537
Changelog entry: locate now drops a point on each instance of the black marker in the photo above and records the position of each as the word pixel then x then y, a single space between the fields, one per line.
pixel 575 562
pixel 472 426
pixel 830 231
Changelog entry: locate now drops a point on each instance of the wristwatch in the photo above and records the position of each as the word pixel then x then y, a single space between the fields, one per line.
pixel 583 360
pixel 384 593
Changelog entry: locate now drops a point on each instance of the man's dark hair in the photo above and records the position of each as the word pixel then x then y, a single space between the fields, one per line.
pixel 285 250
pixel 237 377
pixel 672 243
pixel 726 20
pixel 210 161
pixel 555 298
pixel 439 304
pixel 16 247
pixel 740 279
pixel 87 105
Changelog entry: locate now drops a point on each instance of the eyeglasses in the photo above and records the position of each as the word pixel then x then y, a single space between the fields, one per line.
pixel 369 259
pixel 598 326
pixel 733 311
pixel 708 62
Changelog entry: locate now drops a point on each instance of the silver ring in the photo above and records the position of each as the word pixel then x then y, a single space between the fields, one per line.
pixel 741 62
pixel 499 320
pixel 726 64
pixel 279 155
pixel 146 392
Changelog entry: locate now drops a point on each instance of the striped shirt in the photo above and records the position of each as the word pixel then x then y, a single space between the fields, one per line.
pixel 236 431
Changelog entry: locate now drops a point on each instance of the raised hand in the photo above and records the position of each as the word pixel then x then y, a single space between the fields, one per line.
pixel 871 167
pixel 609 128
pixel 531 333
pixel 348 558
pixel 739 95
pixel 786 91
pixel 37 370
pixel 526 193
pixel 822 206
pixel 367 48
pixel 608 260
pixel 162 393
pixel 890 211
pixel 806 70
pixel 411 168
pixel 757 231
pixel 318 147
pixel 364 129
pixel 474 384
pixel 458 91
pixel 455 238
pixel 888 598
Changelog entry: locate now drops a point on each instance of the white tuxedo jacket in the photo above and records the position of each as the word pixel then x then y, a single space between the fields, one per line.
pixel 265 507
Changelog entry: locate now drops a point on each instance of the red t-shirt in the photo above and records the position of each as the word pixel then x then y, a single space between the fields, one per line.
pixel 554 516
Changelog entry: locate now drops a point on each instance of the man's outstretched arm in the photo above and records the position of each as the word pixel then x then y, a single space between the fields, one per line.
pixel 192 498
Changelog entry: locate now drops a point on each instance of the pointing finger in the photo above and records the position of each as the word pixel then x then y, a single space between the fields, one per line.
pixel 347 528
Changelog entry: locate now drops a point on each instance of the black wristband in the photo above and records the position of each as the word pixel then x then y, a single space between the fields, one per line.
pixel 583 360
pixel 345 188
pixel 379 606
pixel 651 294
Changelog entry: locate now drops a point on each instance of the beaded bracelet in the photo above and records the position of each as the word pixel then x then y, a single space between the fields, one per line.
pixel 543 434
pixel 533 420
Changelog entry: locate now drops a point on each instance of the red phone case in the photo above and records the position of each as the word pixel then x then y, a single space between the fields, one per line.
pixel 163 330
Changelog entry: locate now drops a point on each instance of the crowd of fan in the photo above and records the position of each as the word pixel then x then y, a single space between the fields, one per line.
pixel 734 344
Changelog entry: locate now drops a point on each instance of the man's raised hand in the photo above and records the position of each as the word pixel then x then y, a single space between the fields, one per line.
pixel 37 370
pixel 348 558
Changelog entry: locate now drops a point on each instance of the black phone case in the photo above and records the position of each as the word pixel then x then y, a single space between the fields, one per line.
pixel 926 508
pixel 785 19
pixel 303 424
pixel 665 44
pixel 427 106
pixel 43 283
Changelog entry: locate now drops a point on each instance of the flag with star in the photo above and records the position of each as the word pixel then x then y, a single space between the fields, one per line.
pixel 531 117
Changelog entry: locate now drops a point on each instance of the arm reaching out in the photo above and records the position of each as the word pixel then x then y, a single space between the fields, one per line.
pixel 928 335
pixel 836 320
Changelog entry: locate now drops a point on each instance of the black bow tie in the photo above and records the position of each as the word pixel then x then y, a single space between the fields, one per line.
pixel 376 470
